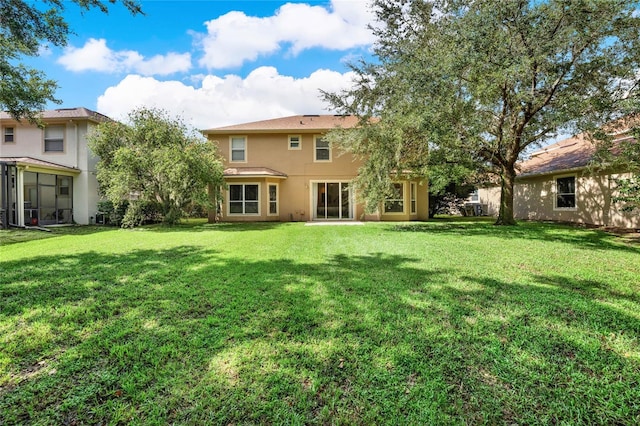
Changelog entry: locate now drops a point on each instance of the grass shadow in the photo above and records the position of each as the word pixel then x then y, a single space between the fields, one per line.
pixel 193 335
pixel 20 235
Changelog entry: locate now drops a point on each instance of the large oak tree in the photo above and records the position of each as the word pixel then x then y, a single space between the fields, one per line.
pixel 484 81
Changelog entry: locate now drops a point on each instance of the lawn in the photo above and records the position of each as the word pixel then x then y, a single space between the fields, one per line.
pixel 455 322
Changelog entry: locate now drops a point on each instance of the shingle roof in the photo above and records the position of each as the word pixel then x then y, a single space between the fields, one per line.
pixel 299 123
pixel 29 161
pixel 575 153
pixel 252 172
pixel 66 113
pixel 568 154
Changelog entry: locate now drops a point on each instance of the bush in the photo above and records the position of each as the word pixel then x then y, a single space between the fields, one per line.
pixel 196 210
pixel 173 216
pixel 113 214
pixel 129 214
pixel 142 212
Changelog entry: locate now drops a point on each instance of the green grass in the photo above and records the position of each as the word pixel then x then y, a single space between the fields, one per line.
pixel 450 321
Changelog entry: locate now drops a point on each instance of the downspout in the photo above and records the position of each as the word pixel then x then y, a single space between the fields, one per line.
pixel 4 195
pixel 73 178
pixel 77 145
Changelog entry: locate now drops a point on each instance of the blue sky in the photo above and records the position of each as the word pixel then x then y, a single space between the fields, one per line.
pixel 212 62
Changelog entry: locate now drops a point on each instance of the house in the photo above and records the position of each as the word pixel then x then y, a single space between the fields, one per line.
pixel 47 173
pixel 555 184
pixel 284 170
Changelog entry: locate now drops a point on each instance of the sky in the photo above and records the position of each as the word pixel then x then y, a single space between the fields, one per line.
pixel 213 63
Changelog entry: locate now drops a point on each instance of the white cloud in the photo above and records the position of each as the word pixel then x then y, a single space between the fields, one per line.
pixel 220 101
pixel 95 55
pixel 235 38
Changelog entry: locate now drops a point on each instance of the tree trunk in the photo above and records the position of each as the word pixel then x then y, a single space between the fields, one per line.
pixel 505 216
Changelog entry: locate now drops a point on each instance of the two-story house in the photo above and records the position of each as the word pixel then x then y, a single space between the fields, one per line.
pixel 47 173
pixel 284 170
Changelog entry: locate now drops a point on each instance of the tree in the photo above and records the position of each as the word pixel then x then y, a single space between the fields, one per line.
pixel 485 81
pixel 24 28
pixel 623 155
pixel 629 190
pixel 154 159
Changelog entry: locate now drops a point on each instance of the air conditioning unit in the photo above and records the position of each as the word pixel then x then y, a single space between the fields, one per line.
pixel 476 209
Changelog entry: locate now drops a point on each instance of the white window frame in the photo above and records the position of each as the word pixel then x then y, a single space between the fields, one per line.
pixel 556 194
pixel 316 138
pixel 474 197
pixel 396 200
pixel 299 141
pixel 12 134
pixel 53 139
pixel 413 198
pixel 276 201
pixel 244 150
pixel 244 201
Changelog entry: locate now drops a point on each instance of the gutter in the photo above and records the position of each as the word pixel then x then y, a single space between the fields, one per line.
pixel 553 172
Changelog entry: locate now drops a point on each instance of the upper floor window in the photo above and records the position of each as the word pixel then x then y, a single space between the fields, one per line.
pixel 566 192
pixel 322 149
pixel 295 142
pixel 8 135
pixel 54 139
pixel 395 203
pixel 239 149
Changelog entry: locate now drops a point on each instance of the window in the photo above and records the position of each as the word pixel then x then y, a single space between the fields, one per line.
pixel 566 192
pixel 474 197
pixel 239 149
pixel 395 203
pixel 295 142
pixel 64 184
pixel 273 199
pixel 8 135
pixel 322 149
pixel 414 206
pixel 54 139
pixel 243 199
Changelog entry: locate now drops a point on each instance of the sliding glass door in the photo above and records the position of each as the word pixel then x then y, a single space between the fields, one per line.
pixel 332 200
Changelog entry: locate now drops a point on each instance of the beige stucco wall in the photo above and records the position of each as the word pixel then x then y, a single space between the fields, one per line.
pixel 535 200
pixel 295 192
pixel 272 150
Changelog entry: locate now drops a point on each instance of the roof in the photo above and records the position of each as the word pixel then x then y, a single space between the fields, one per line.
pixel 252 172
pixel 568 154
pixel 29 161
pixel 298 123
pixel 79 113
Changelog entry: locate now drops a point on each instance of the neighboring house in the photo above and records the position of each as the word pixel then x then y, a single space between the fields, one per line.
pixel 284 170
pixel 555 184
pixel 47 173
